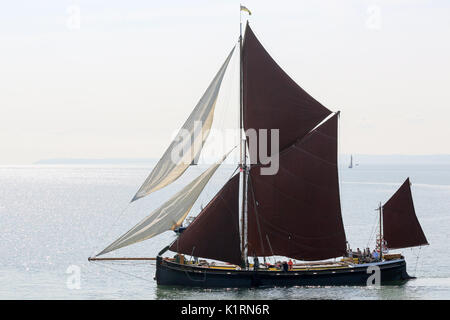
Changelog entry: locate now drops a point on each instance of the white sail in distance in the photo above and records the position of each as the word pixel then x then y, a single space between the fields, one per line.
pixel 168 216
pixel 187 145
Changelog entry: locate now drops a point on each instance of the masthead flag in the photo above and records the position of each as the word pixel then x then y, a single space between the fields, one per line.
pixel 245 9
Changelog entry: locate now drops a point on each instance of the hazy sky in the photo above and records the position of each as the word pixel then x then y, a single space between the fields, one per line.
pixel 100 79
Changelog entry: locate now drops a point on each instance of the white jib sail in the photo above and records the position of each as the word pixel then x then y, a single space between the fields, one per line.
pixel 188 143
pixel 169 216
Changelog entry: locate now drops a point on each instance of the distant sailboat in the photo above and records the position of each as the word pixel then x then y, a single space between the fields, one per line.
pixel 351 162
pixel 295 213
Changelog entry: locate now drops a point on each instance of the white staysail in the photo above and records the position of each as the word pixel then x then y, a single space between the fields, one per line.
pixel 169 216
pixel 186 147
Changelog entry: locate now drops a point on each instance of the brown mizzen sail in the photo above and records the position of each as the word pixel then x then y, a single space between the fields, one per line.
pixel 214 234
pixel 297 212
pixel 401 228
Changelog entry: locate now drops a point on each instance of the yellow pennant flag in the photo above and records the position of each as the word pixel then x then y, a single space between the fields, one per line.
pixel 246 10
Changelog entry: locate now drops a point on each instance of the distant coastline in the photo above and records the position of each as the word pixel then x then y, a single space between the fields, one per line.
pixel 395 159
pixel 359 159
pixel 110 161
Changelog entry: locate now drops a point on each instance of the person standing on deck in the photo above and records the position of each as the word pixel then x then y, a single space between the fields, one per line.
pixel 255 263
pixel 375 255
pixel 290 264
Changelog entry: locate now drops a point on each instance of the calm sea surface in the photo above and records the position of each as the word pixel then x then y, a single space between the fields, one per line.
pixel 52 218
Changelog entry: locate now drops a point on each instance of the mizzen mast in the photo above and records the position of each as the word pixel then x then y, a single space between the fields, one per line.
pixel 380 244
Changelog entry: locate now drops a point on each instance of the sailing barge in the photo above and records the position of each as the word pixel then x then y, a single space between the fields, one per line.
pixel 293 213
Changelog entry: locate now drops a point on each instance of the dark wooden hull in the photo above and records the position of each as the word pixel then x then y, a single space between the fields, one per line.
pixel 173 274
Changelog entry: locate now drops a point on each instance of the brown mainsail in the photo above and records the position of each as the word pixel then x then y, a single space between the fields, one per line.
pixel 297 212
pixel 401 228
pixel 214 233
pixel 272 100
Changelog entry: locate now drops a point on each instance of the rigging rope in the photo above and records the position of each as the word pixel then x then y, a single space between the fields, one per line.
pixel 338 164
pixel 374 230
pixel 126 273
pixel 417 260
pixel 111 227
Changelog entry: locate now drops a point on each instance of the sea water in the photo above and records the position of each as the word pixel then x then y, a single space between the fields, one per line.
pixel 53 217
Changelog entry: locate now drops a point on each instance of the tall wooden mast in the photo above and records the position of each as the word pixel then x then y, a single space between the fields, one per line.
pixel 243 157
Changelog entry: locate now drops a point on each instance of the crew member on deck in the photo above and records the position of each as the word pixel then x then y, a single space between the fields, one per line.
pixel 375 255
pixel 255 263
pixel 290 264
